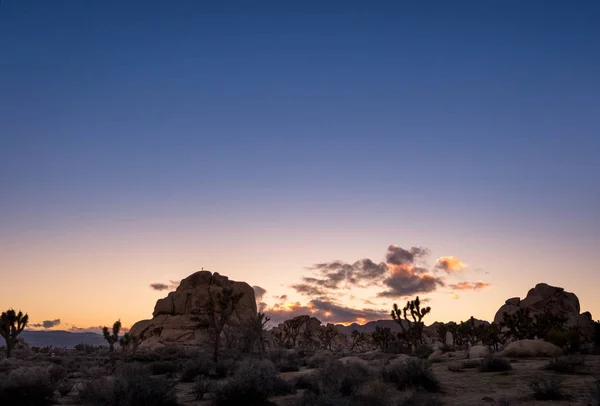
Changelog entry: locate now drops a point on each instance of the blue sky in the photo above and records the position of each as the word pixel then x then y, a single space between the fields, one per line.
pixel 220 132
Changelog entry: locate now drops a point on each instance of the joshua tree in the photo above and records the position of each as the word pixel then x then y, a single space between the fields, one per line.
pixel 129 341
pixel 11 325
pixel 412 331
pixel 112 337
pixel 292 328
pixel 218 309
pixel 442 331
pixel 382 336
pixel 358 338
pixel 326 336
pixel 519 324
pixel 255 333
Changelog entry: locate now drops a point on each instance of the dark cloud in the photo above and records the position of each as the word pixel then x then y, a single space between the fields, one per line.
pixel 408 283
pixel 470 285
pixel 338 274
pixel 259 292
pixel 308 290
pixel 47 324
pixel 400 256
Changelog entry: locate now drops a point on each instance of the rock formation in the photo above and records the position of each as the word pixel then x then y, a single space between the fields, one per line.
pixel 178 319
pixel 553 299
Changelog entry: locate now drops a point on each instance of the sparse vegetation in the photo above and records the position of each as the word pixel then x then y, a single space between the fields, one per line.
pixel 571 364
pixel 251 384
pixel 549 388
pixel 411 373
pixel 493 363
pixel 132 386
pixel 27 386
pixel 202 385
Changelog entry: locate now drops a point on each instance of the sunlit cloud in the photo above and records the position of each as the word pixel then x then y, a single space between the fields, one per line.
pixel 469 285
pixel 450 264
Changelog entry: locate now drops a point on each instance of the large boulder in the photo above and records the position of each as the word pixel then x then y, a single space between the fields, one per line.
pixel 555 300
pixel 180 319
pixel 531 348
pixel 478 351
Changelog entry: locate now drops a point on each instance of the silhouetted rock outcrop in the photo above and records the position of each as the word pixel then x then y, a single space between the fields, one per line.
pixel 179 318
pixel 552 299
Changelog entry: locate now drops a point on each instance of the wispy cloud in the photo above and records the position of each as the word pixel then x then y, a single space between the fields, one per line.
pixel 469 285
pixel 47 324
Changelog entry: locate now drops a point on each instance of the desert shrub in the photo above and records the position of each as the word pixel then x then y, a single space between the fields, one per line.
pixel 202 385
pixel 320 360
pixel 251 384
pixel 571 364
pixel 27 386
pixel 422 399
pixel 326 399
pixel 170 354
pixel 223 368
pixel 200 366
pixel 64 388
pixel 376 392
pixel 471 363
pixel 132 386
pixel 504 401
pixel 164 368
pixel 569 340
pixel 57 373
pixel 288 367
pixel 491 363
pixel 594 396
pixel 423 351
pixel 412 373
pixel 547 388
pixel 455 367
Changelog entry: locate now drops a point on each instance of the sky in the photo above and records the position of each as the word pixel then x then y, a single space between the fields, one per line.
pixel 443 149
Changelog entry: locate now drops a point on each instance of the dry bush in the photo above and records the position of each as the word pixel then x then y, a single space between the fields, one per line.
pixel 413 373
pixel 27 386
pixel 570 364
pixel 132 386
pixel 251 384
pixel 547 388
pixel 491 363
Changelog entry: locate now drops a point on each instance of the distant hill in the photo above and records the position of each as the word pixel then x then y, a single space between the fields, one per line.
pixel 368 327
pixel 60 339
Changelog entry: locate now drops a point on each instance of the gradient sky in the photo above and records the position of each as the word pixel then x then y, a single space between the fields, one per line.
pixel 142 141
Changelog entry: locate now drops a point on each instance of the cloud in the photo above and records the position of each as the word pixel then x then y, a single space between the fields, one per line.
pixel 94 329
pixel 47 324
pixel 308 289
pixel 172 285
pixel 454 295
pixel 259 292
pixel 470 285
pixel 400 256
pixel 408 283
pixel 326 310
pixel 450 264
